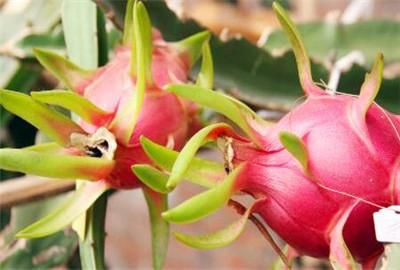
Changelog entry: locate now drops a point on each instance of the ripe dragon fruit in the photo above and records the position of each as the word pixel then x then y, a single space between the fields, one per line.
pixel 116 104
pixel 317 175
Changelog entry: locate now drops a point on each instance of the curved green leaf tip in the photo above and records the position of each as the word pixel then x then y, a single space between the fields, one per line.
pixel 370 87
pixel 143 45
pixel 54 124
pixel 205 78
pixel 54 165
pixel 200 171
pixel 302 59
pixel 295 146
pixel 141 54
pixel 64 70
pixel 193 46
pixel 204 203
pixel 128 23
pixel 75 103
pixel 188 152
pixel 219 238
pixel 235 110
pixel 151 177
pixel 64 215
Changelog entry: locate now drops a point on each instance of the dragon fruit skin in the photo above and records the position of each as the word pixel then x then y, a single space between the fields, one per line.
pixel 317 175
pixel 113 106
pixel 163 117
pixel 299 209
pixel 176 131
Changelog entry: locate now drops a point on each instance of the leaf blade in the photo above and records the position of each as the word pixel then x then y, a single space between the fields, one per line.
pixel 157 203
pixel 55 125
pixel 64 70
pixel 219 238
pixel 54 165
pixel 188 152
pixel 200 171
pixel 75 103
pixel 295 146
pixel 152 177
pixel 66 213
pixel 204 203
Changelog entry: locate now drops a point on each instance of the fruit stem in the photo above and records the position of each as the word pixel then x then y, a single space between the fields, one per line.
pixel 240 209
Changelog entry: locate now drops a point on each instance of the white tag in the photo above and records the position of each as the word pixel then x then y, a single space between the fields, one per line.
pixel 387 224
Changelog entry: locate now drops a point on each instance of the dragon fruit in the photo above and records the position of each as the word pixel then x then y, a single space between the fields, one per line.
pixel 116 104
pixel 318 175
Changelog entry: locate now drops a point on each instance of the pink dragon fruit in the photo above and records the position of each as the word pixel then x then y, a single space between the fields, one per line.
pixel 317 176
pixel 116 104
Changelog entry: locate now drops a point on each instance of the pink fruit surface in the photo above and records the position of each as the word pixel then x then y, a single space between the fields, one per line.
pixel 317 175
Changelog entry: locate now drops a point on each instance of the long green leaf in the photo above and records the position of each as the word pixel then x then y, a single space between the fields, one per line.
pixel 200 171
pixel 128 114
pixel 54 165
pixel 204 203
pixel 370 88
pixel 152 177
pixel 54 124
pixel 65 71
pixel 157 203
pixel 205 78
pixel 128 23
pixel 45 148
pixel 193 46
pixel 323 38
pixel 302 60
pixel 235 110
pixel 64 215
pixel 219 238
pixel 75 103
pixel 188 152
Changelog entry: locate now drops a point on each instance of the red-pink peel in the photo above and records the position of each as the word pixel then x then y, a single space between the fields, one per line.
pixel 164 117
pixel 318 174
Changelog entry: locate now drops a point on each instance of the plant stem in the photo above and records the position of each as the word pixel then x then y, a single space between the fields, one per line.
pixel 260 226
pixel 92 248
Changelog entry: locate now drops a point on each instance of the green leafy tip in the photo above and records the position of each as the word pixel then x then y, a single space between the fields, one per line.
pixel 54 124
pixel 193 46
pixel 141 52
pixel 75 103
pixel 65 71
pixel 188 152
pixel 235 110
pixel 200 171
pixel 205 78
pixel 204 203
pixel 128 23
pixel 295 146
pixel 142 45
pixel 219 238
pixel 303 62
pixel 64 215
pixel 55 165
pixel 371 85
pixel 151 177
